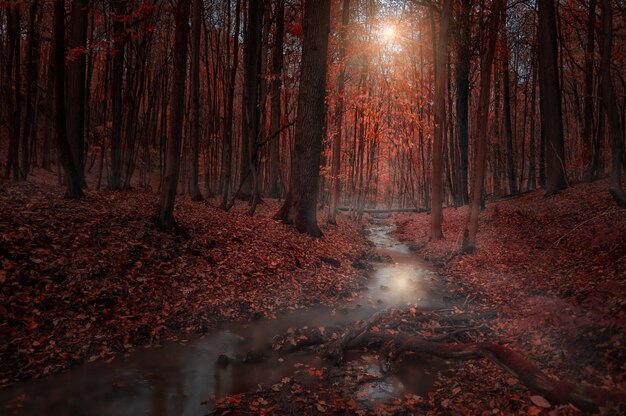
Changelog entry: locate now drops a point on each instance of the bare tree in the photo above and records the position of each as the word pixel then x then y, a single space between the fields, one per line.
pixel 471 228
pixel 164 217
pixel 341 84
pixel 550 99
pixel 608 99
pixel 72 177
pixel 299 207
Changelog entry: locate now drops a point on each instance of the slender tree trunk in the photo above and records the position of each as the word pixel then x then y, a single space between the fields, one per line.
pixel 550 99
pixel 299 207
pixel 76 85
pixel 72 177
pixel 462 94
pixel 32 78
pixel 441 67
pixel 471 228
pixel 250 101
pixel 341 81
pixel 277 70
pixel 610 104
pixel 117 78
pixel 532 167
pixel 588 141
pixel 227 150
pixel 164 217
pixel 506 108
pixel 196 26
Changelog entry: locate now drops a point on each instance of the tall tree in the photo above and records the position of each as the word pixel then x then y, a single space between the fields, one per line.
pixel 441 69
pixel 341 84
pixel 196 27
pixel 227 149
pixel 610 105
pixel 250 104
pixel 29 132
pixel 550 99
pixel 72 177
pixel 299 207
pixel 164 217
pixel 506 107
pixel 588 99
pixel 462 93
pixel 471 228
pixel 277 70
pixel 76 85
pixel 117 78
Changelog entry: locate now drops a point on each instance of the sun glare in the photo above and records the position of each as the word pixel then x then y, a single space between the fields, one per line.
pixel 389 33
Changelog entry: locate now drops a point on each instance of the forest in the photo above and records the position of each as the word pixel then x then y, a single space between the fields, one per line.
pixel 360 207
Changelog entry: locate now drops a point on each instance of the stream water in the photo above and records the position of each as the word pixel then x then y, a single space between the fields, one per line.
pixel 175 378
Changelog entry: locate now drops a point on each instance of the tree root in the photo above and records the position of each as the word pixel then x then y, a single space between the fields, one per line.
pixel 394 345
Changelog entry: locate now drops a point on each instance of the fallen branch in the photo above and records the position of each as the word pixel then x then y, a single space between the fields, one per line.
pixel 394 345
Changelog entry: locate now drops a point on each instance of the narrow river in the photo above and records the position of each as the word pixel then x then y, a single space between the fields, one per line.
pixel 175 378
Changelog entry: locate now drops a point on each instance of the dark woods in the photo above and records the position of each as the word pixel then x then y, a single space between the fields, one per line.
pixel 354 104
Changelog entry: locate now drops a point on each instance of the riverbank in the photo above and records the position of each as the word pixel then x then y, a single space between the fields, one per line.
pixel 85 280
pixel 550 271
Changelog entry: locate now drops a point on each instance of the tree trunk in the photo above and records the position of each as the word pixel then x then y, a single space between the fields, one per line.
pixel 341 82
pixel 471 228
pixel 550 99
pixel 76 85
pixel 299 207
pixel 195 98
pixel 119 45
pixel 441 68
pixel 506 108
pixel 32 77
pixel 610 104
pixel 164 217
pixel 588 141
pixel 462 94
pixel 250 103
pixel 227 149
pixel 72 178
pixel 277 70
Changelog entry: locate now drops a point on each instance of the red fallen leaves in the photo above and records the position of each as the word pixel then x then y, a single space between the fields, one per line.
pixel 85 279
pixel 552 270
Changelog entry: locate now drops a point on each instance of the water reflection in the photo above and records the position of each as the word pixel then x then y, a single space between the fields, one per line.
pixel 176 378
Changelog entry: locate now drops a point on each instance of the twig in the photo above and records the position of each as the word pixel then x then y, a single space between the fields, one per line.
pixel 558 241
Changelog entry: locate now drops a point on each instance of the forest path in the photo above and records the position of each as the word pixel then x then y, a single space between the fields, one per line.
pixel 177 377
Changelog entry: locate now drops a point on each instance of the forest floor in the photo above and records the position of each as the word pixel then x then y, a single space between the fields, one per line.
pixel 548 280
pixel 84 280
pixel 554 271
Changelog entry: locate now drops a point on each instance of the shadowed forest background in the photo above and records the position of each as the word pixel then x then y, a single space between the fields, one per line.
pixel 170 167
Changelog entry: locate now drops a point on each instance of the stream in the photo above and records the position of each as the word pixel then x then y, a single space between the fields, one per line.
pixel 177 377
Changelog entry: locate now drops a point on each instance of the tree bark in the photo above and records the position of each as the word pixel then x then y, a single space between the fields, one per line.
pixel 117 78
pixel 462 94
pixel 341 82
pixel 72 177
pixel 441 69
pixel 506 108
pixel 471 228
pixel 250 103
pixel 277 70
pixel 164 217
pixel 610 105
pixel 32 77
pixel 299 207
pixel 76 85
pixel 550 99
pixel 195 98
pixel 588 141
pixel 227 149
